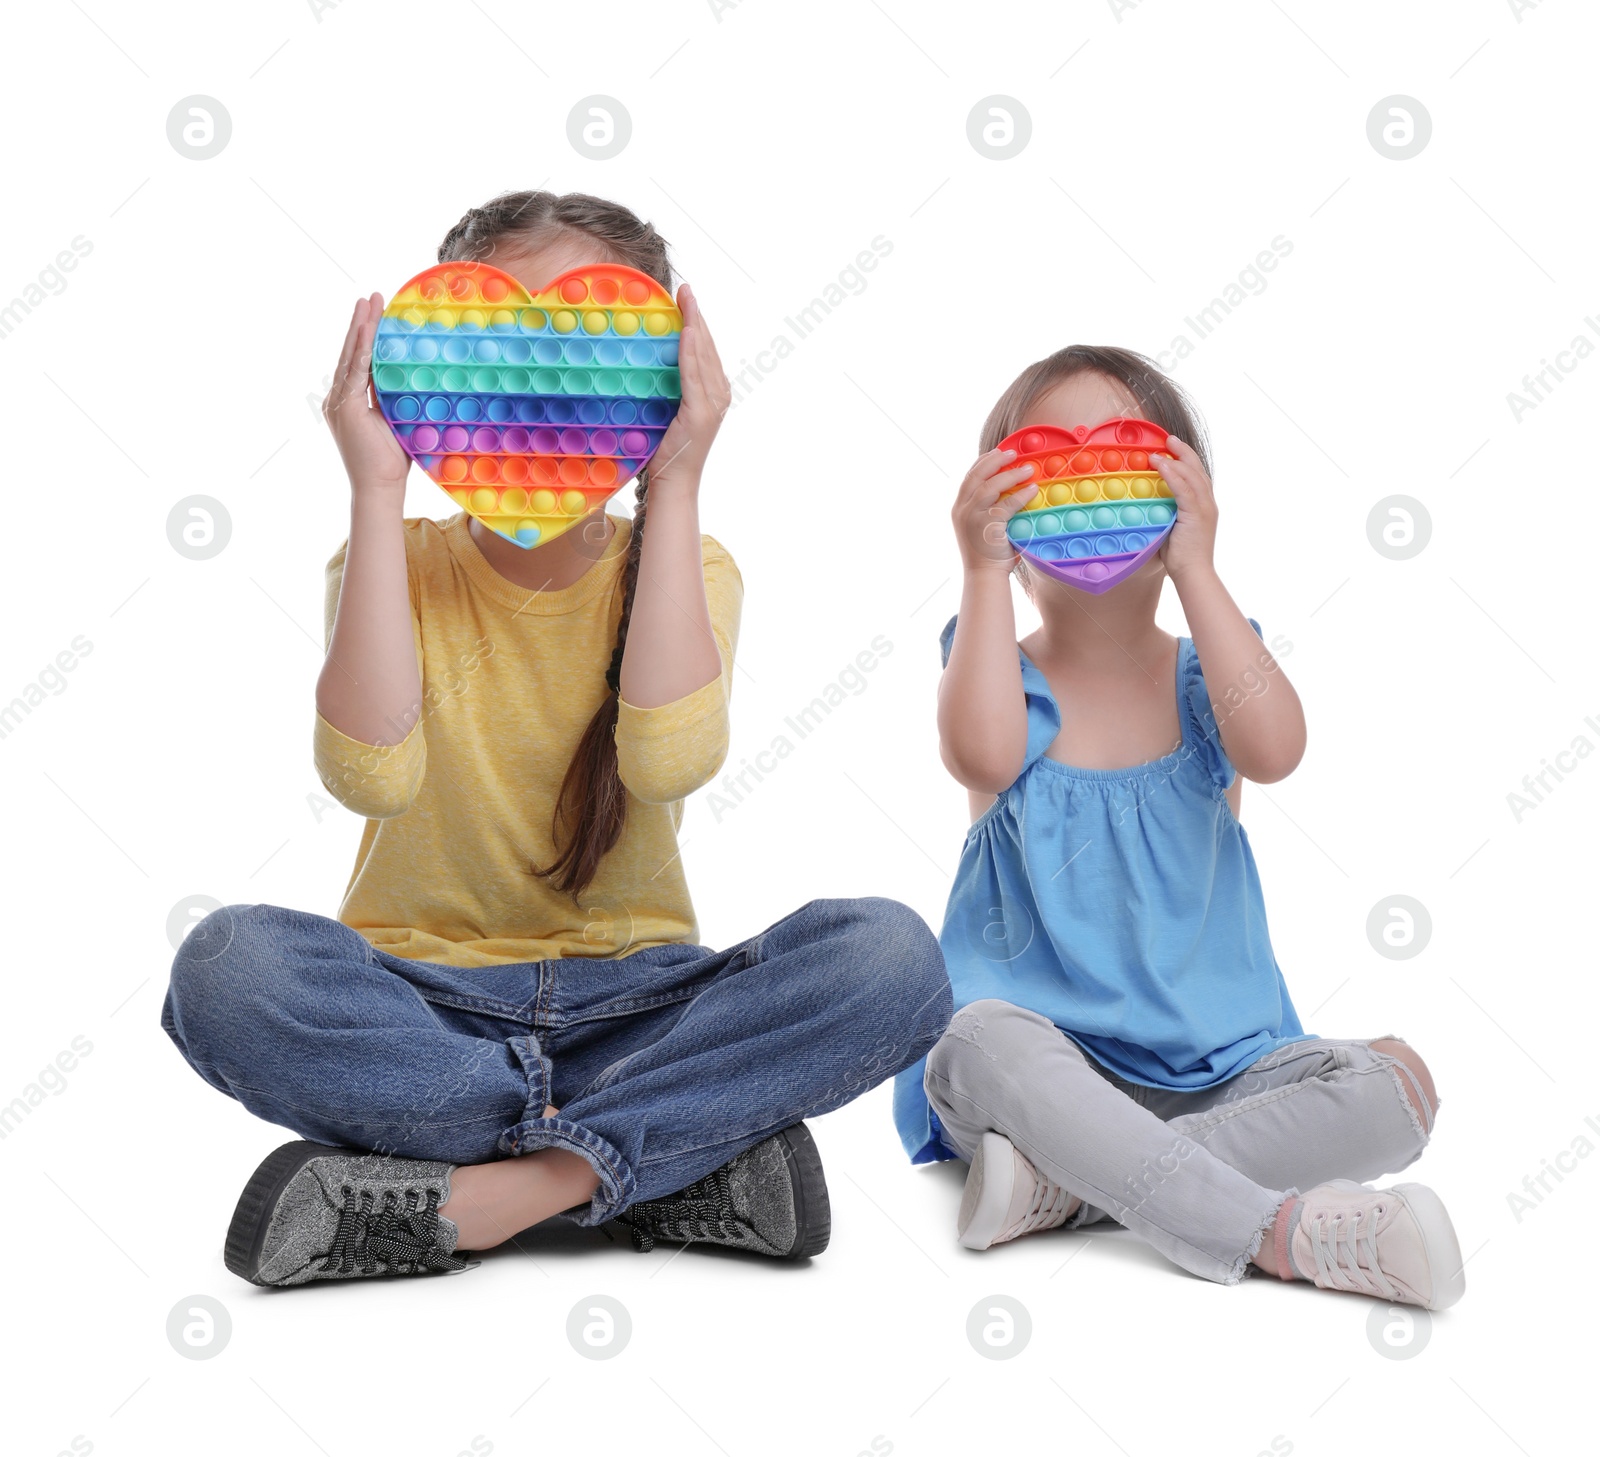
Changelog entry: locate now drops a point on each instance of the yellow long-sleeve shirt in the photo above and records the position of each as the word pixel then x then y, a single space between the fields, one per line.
pixel 460 810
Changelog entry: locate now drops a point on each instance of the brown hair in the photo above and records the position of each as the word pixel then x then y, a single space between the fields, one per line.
pixel 592 804
pixel 1159 399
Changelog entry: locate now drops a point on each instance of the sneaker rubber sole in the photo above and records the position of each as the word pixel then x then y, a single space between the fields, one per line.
pixel 247 1230
pixel 1439 1239
pixel 987 1195
pixel 813 1214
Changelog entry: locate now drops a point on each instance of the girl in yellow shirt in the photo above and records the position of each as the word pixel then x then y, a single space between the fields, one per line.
pixel 511 1017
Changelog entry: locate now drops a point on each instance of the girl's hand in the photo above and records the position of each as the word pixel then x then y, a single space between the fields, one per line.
pixel 983 508
pixel 373 458
pixel 706 396
pixel 1188 549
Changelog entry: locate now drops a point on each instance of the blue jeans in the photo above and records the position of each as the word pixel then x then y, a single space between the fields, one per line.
pixel 664 1064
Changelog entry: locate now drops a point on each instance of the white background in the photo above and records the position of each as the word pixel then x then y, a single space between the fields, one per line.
pixel 771 143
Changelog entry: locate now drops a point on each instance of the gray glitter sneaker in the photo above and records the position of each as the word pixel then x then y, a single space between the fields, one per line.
pixel 311 1212
pixel 771 1200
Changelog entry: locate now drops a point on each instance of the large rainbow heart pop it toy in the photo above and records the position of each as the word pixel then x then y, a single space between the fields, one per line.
pixel 529 410
pixel 1099 510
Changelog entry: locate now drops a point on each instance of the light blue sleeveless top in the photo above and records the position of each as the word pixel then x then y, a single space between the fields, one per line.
pixel 1122 904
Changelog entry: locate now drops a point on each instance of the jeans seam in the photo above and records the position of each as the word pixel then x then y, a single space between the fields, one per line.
pixel 467 1002
pixel 611 1011
pixel 1219 1114
pixel 546 997
pixel 1213 1118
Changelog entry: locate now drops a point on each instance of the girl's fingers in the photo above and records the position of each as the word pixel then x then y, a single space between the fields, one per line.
pixel 689 373
pixel 369 333
pixel 358 375
pixel 700 367
pixel 1187 466
pixel 1178 475
pixel 699 394
pixel 1010 503
pixel 1183 450
pixel 342 368
pixel 983 470
pixel 692 339
pixel 991 461
pixel 713 377
pixel 1004 487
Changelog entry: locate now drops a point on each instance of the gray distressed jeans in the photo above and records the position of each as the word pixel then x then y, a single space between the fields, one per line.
pixel 1198 1175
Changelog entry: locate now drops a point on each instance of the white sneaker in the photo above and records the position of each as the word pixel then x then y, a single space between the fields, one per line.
pixel 1397 1244
pixel 1006 1197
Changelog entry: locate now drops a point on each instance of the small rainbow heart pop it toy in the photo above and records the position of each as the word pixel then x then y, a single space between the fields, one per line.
pixel 1099 510
pixel 529 410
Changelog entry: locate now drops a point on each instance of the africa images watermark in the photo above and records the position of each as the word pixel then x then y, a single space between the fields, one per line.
pixel 50 281
pixel 849 282
pixel 1540 384
pixel 1538 787
pixel 50 680
pixel 850 682
pixel 1536 1187
pixel 1250 281
pixel 50 1079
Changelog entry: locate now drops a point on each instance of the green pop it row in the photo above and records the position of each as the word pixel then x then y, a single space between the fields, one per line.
pixel 514 380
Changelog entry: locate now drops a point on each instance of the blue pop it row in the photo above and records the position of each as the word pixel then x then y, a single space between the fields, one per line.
pixel 527 409
pixel 455 379
pixel 1092 544
pixel 523 349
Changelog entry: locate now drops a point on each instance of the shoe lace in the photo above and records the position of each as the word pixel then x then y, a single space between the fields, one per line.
pixel 704 1210
pixel 1345 1247
pixel 405 1240
pixel 1046 1209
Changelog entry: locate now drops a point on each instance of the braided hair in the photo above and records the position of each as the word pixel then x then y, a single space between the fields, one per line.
pixel 592 804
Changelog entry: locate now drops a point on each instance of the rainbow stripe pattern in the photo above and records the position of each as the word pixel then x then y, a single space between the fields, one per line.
pixel 1099 510
pixel 529 410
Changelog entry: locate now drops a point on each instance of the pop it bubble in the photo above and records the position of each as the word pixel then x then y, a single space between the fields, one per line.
pixel 1099 510
pixel 529 410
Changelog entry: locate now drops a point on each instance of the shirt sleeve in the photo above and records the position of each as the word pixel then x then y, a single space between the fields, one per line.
pixel 375 780
pixel 1044 713
pixel 666 753
pixel 1203 726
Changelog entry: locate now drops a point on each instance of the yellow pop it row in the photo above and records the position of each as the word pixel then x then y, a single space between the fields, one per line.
pixel 513 501
pixel 534 321
pixel 1138 486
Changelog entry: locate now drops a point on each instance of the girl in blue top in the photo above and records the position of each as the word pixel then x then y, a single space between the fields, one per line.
pixel 1125 1046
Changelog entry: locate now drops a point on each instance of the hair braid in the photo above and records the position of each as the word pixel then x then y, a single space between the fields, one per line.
pixel 630 580
pixel 592 804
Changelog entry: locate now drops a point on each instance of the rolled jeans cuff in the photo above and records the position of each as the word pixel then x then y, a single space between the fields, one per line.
pixel 616 1190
